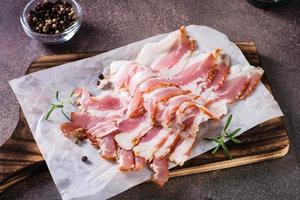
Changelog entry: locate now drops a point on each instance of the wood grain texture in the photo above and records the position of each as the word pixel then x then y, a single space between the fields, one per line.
pixel 20 157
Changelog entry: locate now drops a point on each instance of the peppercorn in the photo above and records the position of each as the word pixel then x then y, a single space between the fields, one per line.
pixel 98 82
pixel 51 17
pixel 84 158
pixel 101 76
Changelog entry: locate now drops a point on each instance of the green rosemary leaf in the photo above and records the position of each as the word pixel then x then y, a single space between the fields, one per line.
pixel 234 132
pixel 225 150
pixel 71 95
pixel 59 105
pixel 216 149
pixel 62 110
pixel 228 121
pixel 235 140
pixel 52 108
pixel 57 96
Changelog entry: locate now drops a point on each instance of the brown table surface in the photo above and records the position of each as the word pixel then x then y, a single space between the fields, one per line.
pixel 110 24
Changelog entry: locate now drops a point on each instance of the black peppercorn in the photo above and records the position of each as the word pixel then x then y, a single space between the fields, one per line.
pixel 101 76
pixel 84 158
pixel 98 82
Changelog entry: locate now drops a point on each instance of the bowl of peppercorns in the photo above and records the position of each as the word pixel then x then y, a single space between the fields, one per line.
pixel 51 22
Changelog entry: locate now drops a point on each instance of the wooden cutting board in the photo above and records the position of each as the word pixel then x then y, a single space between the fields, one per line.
pixel 20 157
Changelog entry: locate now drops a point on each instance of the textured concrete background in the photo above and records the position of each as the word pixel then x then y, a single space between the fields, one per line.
pixel 110 24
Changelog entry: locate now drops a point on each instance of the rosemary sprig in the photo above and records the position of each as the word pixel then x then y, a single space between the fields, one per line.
pixel 59 105
pixel 220 140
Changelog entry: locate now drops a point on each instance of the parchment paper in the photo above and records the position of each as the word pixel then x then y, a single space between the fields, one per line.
pixel 100 179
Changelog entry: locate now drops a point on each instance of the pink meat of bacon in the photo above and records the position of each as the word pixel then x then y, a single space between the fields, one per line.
pixel 149 85
pixel 79 123
pixel 151 142
pixel 139 163
pixel 199 73
pixel 131 130
pixel 160 167
pixel 108 147
pixel 102 129
pixel 126 160
pixel 161 95
pixel 168 52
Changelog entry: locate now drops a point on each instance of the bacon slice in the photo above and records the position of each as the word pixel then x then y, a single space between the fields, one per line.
pixel 199 73
pixel 80 122
pixel 148 86
pixel 161 95
pixel 109 104
pixel 131 130
pixel 168 52
pixel 121 73
pixel 253 81
pixel 240 83
pixel 183 149
pixel 108 147
pixel 160 167
pixel 168 145
pixel 139 163
pixel 151 142
pixel 139 78
pixel 169 110
pixel 102 129
pixel 126 160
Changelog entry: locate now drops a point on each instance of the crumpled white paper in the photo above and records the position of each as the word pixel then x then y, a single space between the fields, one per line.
pixel 100 179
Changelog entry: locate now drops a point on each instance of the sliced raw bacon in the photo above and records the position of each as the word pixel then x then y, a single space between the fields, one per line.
pixel 151 142
pixel 168 145
pixel 183 149
pixel 254 79
pixel 108 147
pixel 167 53
pixel 109 104
pixel 102 129
pixel 240 83
pixel 199 73
pixel 131 130
pixel 161 95
pixel 160 167
pixel 126 160
pixel 79 123
pixel 139 78
pixel 139 163
pixel 147 86
pixel 169 110
pixel 121 73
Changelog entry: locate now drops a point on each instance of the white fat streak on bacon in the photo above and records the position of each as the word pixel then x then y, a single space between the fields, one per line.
pixel 168 52
pixel 151 142
pixel 126 160
pixel 138 127
pixel 139 78
pixel 160 166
